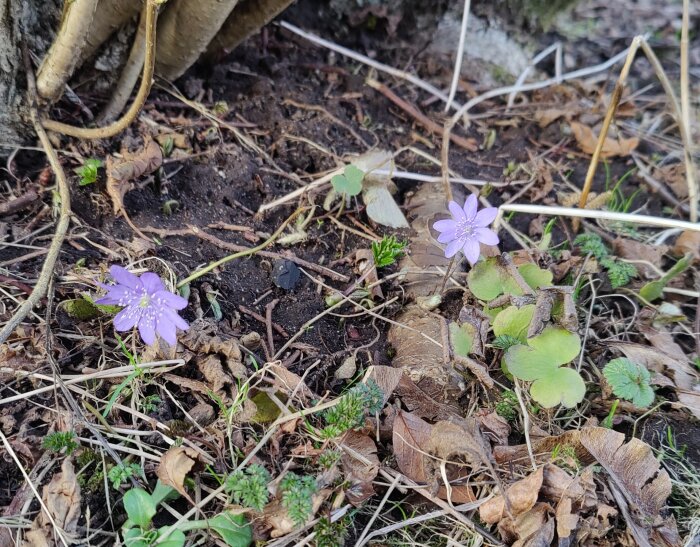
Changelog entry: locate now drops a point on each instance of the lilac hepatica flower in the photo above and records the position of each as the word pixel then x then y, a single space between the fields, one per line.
pixel 147 303
pixel 466 229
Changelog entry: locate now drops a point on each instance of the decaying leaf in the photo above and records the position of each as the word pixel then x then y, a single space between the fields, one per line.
pixel 360 464
pixel 409 436
pixel 522 496
pixel 422 404
pixel 132 165
pixel 62 498
pixel 587 140
pixel 636 250
pixel 644 485
pixel 688 242
pixel 386 378
pixel 174 466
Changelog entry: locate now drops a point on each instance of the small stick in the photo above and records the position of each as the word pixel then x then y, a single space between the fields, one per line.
pixel 256 315
pixel 447 274
pixel 609 115
pixel 268 323
pixel 144 89
pixel 17 204
pixel 430 125
pixel 684 122
pixel 460 54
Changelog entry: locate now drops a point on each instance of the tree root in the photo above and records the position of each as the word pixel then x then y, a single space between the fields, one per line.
pixel 64 54
pixel 129 76
pixel 248 17
pixel 185 31
pixel 111 16
pixel 145 88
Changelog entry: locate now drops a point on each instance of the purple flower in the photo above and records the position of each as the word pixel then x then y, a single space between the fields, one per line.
pixel 466 229
pixel 147 303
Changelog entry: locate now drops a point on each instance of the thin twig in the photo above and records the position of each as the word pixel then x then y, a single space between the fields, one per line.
pixel 685 113
pixel 460 53
pixel 47 269
pixel 603 215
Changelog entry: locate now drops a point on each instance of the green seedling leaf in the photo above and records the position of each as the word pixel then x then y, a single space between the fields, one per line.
pixel 267 411
pixel 88 171
pixel 540 362
pixel 176 538
pixel 233 529
pixel 134 537
pixel 654 289
pixel 139 507
pixel 562 385
pixel 514 322
pixel 462 338
pixel 163 492
pixel 535 276
pixel 630 381
pixel 488 280
pixel 350 182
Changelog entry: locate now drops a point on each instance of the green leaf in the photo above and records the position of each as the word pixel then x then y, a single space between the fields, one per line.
pixel 267 411
pixel 514 322
pixel 88 172
pixel 654 289
pixel 175 539
pixel 350 182
pixel 488 279
pixel 462 338
pixel 163 492
pixel 540 361
pixel 80 309
pixel 630 381
pixel 139 506
pixel 563 385
pixel 536 277
pixel 134 537
pixel 233 529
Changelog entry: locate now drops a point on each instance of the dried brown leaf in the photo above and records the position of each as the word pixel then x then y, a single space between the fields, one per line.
pixel 416 400
pixel 688 242
pixel 360 464
pixel 386 378
pixel 587 141
pixel 62 499
pixel 636 250
pixel 121 171
pixel 637 474
pixel 522 496
pixel 410 435
pixel 566 520
pixel 174 466
pixel 495 426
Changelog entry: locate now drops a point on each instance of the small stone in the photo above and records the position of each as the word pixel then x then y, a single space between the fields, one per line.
pixel 285 274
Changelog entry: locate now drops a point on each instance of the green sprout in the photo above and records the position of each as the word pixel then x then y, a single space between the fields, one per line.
pixel 620 273
pixel 59 441
pixel 297 496
pixel 352 408
pixel 88 171
pixel 507 407
pixel 630 381
pixel 350 182
pixel 387 251
pixel 121 473
pixel 248 487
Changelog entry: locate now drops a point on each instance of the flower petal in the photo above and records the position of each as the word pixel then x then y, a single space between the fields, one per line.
pixel 486 236
pixel 170 300
pixel 147 326
pixel 445 225
pixel 471 251
pixel 166 330
pixel 119 295
pixel 124 277
pixel 453 248
pixel 152 283
pixel 485 216
pixel 470 206
pixel 127 318
pixel 456 211
pixel 175 319
pixel 446 237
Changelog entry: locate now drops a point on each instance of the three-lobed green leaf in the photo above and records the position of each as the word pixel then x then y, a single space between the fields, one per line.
pixel 350 182
pixel 514 322
pixel 540 362
pixel 630 381
pixel 489 279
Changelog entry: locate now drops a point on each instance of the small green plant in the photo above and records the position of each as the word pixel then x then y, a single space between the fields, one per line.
pixel 620 273
pixel 248 487
pixel 387 251
pixel 328 459
pixel 618 202
pixel 540 362
pixel 141 507
pixel 504 341
pixel 349 183
pixel 331 534
pixel 655 289
pixel 350 412
pixel 297 496
pixel 630 381
pixel 150 403
pixel 507 407
pixel 88 171
pixel 60 441
pixel 121 473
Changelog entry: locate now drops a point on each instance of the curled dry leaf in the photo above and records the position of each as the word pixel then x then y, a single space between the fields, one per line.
pixel 360 464
pixel 636 250
pixel 688 242
pixel 132 165
pixel 534 528
pixel 587 140
pixel 62 498
pixel 522 496
pixel 174 466
pixel 644 485
pixel 386 378
pixel 377 189
pixel 423 405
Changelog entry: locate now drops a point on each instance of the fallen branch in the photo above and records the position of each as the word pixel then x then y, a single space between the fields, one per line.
pixel 17 204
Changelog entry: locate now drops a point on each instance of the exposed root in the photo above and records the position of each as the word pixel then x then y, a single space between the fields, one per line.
pixel 248 17
pixel 121 124
pixel 111 16
pixel 185 31
pixel 64 54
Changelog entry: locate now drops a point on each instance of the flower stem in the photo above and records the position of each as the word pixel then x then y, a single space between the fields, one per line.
pixel 247 252
pixel 447 274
